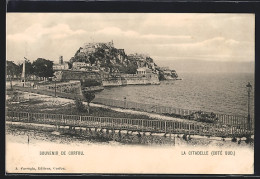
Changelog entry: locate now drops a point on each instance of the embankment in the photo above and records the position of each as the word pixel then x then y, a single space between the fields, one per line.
pixel 132 79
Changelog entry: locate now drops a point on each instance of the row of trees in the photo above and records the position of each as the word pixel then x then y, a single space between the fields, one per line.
pixel 40 67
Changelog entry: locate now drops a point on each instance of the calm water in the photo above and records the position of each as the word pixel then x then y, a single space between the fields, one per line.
pixel 220 93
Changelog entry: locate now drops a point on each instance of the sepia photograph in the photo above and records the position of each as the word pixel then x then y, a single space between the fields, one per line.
pixel 130 93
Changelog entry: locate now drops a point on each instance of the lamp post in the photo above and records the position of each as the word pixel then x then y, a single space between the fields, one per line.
pixel 23 73
pixel 125 102
pixel 249 88
pixel 55 85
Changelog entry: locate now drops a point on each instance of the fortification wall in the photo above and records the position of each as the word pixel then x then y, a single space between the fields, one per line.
pixel 94 88
pixel 120 80
pixel 78 75
pixel 112 82
pixel 65 87
pixel 132 80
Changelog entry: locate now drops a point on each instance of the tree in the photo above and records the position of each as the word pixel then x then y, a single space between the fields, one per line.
pixel 92 59
pixel 12 70
pixel 99 53
pixel 79 105
pixel 70 65
pixel 161 76
pixel 131 69
pixel 72 59
pixel 89 96
pixel 149 59
pixel 43 68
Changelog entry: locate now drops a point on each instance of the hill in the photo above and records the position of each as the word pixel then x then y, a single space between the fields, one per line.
pixel 107 58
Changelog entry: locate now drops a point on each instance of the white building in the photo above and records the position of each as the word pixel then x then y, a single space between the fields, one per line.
pixel 79 65
pixel 143 71
pixel 91 47
pixel 64 66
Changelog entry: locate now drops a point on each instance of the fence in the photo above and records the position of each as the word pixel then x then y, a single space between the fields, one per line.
pixel 222 118
pixel 230 120
pixel 141 125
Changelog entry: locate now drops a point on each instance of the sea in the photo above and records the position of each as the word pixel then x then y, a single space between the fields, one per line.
pixel 223 93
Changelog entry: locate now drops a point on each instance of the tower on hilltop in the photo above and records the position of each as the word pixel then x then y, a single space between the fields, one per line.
pixel 110 44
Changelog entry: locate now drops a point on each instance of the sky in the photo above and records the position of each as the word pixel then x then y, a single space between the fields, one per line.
pixel 166 37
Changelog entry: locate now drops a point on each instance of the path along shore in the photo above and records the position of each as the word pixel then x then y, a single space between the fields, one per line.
pixel 52 101
pixel 63 101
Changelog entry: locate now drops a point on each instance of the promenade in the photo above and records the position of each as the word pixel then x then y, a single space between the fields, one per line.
pixel 133 125
pixel 227 126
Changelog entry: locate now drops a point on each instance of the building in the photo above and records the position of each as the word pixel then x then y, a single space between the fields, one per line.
pixel 61 65
pixel 91 47
pixel 152 65
pixel 79 65
pixel 143 71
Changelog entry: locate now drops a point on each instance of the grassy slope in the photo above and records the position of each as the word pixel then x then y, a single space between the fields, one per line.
pixel 39 105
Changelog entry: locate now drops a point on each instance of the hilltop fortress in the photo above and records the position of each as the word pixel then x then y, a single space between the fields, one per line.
pixel 101 64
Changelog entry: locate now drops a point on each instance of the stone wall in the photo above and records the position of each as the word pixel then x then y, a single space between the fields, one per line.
pixel 65 87
pixel 108 80
pixel 112 82
pixel 78 75
pixel 94 88
pixel 132 79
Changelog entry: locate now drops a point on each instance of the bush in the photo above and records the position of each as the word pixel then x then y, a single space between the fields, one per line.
pixel 79 105
pixel 14 97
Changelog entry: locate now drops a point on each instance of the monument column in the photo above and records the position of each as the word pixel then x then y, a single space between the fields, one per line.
pixel 23 74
